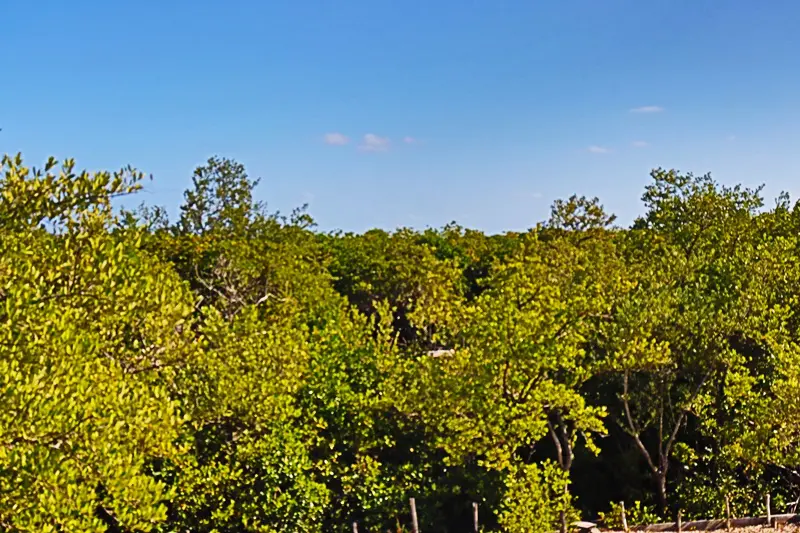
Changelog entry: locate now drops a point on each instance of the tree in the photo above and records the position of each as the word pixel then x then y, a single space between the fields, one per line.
pixel 519 357
pixel 263 291
pixel 694 293
pixel 221 199
pixel 90 329
pixel 396 268
pixel 250 467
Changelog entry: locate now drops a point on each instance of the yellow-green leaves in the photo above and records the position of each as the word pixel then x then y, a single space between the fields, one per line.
pixel 535 496
pixel 88 327
pixel 31 197
pixel 237 371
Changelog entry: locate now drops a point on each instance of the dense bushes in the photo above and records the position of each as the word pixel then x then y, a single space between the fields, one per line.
pixel 238 371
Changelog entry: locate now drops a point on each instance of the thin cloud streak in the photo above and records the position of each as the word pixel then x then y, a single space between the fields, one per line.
pixel 640 144
pixel 598 149
pixel 375 143
pixel 647 109
pixel 336 139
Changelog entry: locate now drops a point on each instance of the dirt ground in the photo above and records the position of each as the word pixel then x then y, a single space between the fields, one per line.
pixel 787 528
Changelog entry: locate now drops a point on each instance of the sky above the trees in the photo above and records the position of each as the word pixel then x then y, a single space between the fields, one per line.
pixel 410 113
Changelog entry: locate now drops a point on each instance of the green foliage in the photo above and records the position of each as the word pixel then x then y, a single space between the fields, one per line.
pixel 238 371
pixel 250 467
pixel 636 514
pixel 400 270
pixel 89 330
pixel 535 497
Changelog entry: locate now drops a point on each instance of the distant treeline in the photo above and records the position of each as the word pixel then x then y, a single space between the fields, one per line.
pixel 236 370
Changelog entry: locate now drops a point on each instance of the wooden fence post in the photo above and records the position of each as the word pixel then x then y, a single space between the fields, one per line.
pixel 475 517
pixel 624 520
pixel 728 512
pixel 355 527
pixel 414 522
pixel 769 512
pixel 680 522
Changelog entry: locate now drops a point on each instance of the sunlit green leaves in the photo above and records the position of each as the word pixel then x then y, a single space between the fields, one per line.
pixel 238 371
pixel 89 326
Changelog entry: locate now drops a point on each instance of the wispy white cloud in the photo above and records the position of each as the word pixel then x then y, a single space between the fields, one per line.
pixel 375 143
pixel 598 149
pixel 640 144
pixel 409 140
pixel 336 139
pixel 647 109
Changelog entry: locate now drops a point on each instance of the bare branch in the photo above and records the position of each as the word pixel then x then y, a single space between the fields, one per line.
pixel 633 430
pixel 557 442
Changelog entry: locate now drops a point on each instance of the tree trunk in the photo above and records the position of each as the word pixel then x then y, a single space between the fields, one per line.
pixel 564 511
pixel 661 483
pixel 563 442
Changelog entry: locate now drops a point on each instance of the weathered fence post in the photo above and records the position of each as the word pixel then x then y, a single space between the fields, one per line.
pixel 355 527
pixel 728 512
pixel 414 522
pixel 475 517
pixel 624 520
pixel 680 522
pixel 769 512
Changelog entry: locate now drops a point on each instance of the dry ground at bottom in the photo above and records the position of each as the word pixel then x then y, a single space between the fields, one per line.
pixel 787 528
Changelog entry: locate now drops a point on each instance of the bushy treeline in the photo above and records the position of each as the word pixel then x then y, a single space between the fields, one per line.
pixel 238 371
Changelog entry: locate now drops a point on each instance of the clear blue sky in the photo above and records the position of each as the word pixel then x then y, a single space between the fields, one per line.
pixel 510 104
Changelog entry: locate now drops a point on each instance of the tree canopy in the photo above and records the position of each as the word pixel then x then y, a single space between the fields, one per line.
pixel 237 370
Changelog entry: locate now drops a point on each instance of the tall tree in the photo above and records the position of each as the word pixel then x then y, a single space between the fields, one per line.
pixel 518 356
pixel 672 340
pixel 91 330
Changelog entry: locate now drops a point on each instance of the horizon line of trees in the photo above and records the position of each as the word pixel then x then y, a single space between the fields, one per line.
pixel 235 370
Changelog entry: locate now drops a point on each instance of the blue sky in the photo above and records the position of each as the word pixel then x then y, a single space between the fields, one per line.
pixel 479 111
